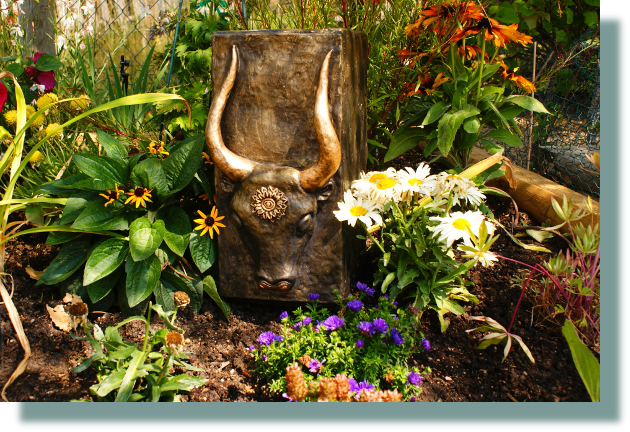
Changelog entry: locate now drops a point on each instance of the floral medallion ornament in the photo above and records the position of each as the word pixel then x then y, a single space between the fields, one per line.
pixel 269 203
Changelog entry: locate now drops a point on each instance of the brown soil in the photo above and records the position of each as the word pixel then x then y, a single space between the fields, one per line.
pixel 458 371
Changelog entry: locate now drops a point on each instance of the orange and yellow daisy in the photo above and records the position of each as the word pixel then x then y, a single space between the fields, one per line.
pixel 444 16
pixel 210 222
pixel 138 196
pixel 111 195
pixel 427 85
pixel 519 80
pixel 499 33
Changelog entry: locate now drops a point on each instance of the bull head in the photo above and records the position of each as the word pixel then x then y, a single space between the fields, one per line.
pixel 274 207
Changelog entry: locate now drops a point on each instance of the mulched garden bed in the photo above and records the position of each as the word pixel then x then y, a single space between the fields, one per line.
pixel 459 373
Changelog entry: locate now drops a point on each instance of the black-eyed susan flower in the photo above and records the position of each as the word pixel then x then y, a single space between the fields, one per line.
pixel 210 222
pixel 207 158
pixel 154 148
pixel 499 33
pixel 111 195
pixel 139 195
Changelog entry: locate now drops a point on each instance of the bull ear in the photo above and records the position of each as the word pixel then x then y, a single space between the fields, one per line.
pixel 326 191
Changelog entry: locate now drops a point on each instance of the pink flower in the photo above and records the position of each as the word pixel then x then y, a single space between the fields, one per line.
pixel 3 95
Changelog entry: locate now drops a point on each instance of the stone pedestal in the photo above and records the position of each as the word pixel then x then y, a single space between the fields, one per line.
pixel 269 120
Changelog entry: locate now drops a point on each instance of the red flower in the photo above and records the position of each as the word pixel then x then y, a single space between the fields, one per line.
pixel 3 95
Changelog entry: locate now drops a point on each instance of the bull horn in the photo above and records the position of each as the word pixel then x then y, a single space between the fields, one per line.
pixel 235 167
pixel 316 175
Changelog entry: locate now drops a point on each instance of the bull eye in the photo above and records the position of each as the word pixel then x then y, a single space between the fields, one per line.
pixel 237 221
pixel 305 224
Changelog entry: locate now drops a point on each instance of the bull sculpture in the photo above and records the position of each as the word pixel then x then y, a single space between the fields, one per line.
pixel 274 207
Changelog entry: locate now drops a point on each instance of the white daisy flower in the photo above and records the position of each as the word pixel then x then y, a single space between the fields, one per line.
pixel 471 194
pixel 418 181
pixel 462 188
pixel 351 209
pixel 366 181
pixel 456 226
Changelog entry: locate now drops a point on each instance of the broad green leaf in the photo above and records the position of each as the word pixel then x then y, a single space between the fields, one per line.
pixel 180 166
pixel 527 102
pixel 98 290
pixel 448 126
pixel 35 214
pixel 75 205
pixel 70 257
pixel 47 62
pixel 61 237
pixel 491 147
pixel 202 249
pixel 177 228
pixel 150 174
pixel 105 259
pixel 97 217
pixel 472 125
pixel 435 112
pixel 388 280
pixel 101 167
pixel 505 136
pixel 585 361
pixel 112 382
pixel 408 277
pixel 210 287
pixel 131 374
pixel 16 69
pixel 143 239
pixel 590 18
pixel 491 90
pixel 112 146
pixel 404 140
pixel 183 382
pixel 142 278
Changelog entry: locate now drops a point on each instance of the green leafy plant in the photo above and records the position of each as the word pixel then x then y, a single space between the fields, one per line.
pixel 12 165
pixel 370 346
pixel 584 360
pixel 463 85
pixel 140 242
pixel 125 371
pixel 417 218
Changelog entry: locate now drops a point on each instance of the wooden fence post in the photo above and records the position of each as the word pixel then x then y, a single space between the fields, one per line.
pixel 39 30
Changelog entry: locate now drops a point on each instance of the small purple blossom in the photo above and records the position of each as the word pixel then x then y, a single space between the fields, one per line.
pixel 396 337
pixel 264 357
pixel 252 347
pixel 286 396
pixel 307 320
pixel 315 366
pixel 366 328
pixel 380 325
pixel 414 378
pixel 278 338
pixel 360 343
pixel 266 338
pixel 395 303
pixel 364 288
pixel 313 297
pixel 331 323
pixel 357 387
pixel 297 325
pixel 355 305
pixel 385 296
pixel 425 344
pixel 284 315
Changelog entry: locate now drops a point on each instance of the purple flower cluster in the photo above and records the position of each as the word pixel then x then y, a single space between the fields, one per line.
pixel 284 315
pixel 313 297
pixel 364 288
pixel 396 337
pixel 355 305
pixel 380 325
pixel 331 323
pixel 414 378
pixel 357 387
pixel 268 337
pixel 366 328
pixel 359 343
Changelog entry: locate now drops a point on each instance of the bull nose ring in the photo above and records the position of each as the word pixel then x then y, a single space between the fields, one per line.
pixel 281 286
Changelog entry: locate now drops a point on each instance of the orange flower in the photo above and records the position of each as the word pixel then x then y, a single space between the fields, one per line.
pixel 445 16
pixel 138 196
pixel 469 51
pixel 111 195
pixel 427 85
pixel 499 33
pixel 206 157
pixel 154 148
pixel 520 81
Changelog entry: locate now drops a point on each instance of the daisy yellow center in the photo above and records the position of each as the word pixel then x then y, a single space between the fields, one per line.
pixel 414 182
pixel 461 224
pixel 376 177
pixel 358 211
pixel 385 183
